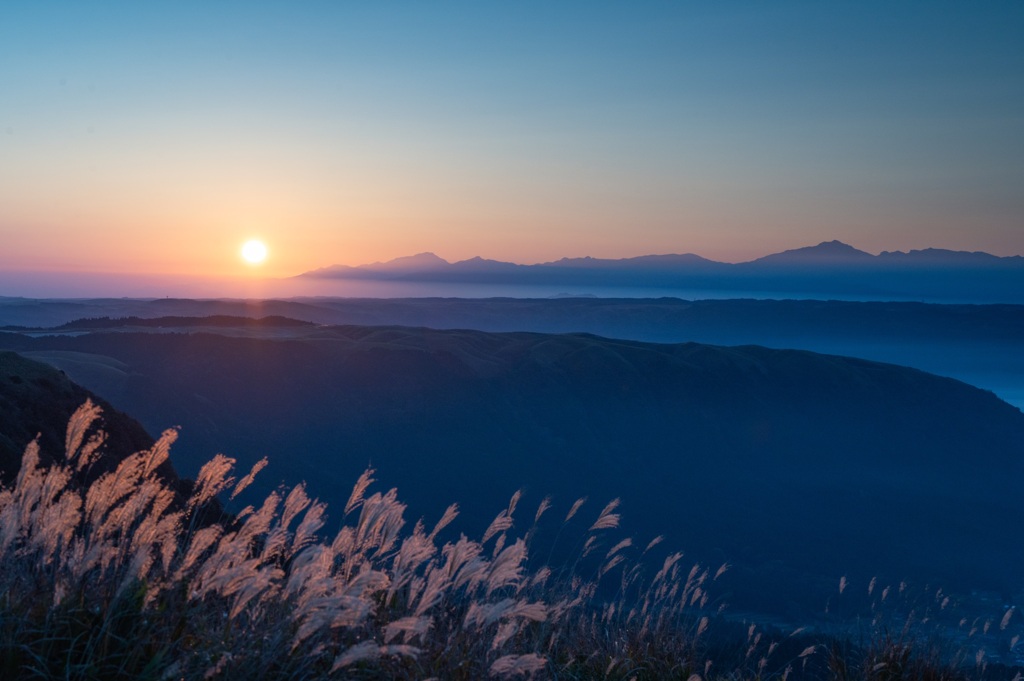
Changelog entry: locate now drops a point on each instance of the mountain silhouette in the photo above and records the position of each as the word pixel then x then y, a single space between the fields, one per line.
pixel 940 256
pixel 827 252
pixel 420 261
pixel 830 269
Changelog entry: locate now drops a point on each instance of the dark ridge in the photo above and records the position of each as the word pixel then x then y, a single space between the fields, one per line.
pixel 272 321
pixel 721 322
pixel 827 251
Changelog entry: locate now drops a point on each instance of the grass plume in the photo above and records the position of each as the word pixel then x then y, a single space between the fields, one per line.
pixel 122 578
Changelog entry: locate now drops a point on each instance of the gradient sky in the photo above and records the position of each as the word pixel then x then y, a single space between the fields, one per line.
pixel 156 137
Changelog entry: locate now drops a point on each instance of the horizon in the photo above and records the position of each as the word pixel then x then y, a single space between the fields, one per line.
pixel 160 139
pixel 318 282
pixel 571 256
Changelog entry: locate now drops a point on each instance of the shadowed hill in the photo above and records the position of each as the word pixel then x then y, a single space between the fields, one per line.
pixel 796 466
pixel 38 400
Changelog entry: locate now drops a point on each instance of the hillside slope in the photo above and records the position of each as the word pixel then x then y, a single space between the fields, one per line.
pixel 795 465
pixel 979 344
pixel 36 403
pixel 38 400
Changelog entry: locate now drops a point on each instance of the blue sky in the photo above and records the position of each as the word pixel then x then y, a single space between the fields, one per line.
pixel 352 132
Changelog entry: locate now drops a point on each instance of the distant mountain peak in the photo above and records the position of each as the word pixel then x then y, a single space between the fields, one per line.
pixel 420 261
pixel 826 251
pixel 829 248
pixel 836 245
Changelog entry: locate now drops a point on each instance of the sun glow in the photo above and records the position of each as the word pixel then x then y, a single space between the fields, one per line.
pixel 254 252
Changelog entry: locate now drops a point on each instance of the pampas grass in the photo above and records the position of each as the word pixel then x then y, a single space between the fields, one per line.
pixel 125 577
pixel 121 578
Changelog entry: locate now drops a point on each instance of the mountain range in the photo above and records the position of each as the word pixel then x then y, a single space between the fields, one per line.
pixel 830 269
pixel 826 254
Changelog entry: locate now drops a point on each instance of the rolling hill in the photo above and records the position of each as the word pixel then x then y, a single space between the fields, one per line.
pixel 797 467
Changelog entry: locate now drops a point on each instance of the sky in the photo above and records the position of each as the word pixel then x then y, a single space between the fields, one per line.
pixel 157 137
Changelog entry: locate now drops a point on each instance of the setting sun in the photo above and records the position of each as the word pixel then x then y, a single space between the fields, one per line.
pixel 254 252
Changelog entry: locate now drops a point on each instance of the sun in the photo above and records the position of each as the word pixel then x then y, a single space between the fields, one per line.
pixel 254 252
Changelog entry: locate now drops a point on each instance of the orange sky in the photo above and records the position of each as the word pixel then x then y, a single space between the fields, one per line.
pixel 158 139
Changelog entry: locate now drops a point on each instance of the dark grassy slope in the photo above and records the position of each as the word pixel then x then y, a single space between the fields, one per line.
pixel 794 463
pixel 38 400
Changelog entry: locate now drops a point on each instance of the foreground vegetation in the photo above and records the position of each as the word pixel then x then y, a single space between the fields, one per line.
pixel 128 578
